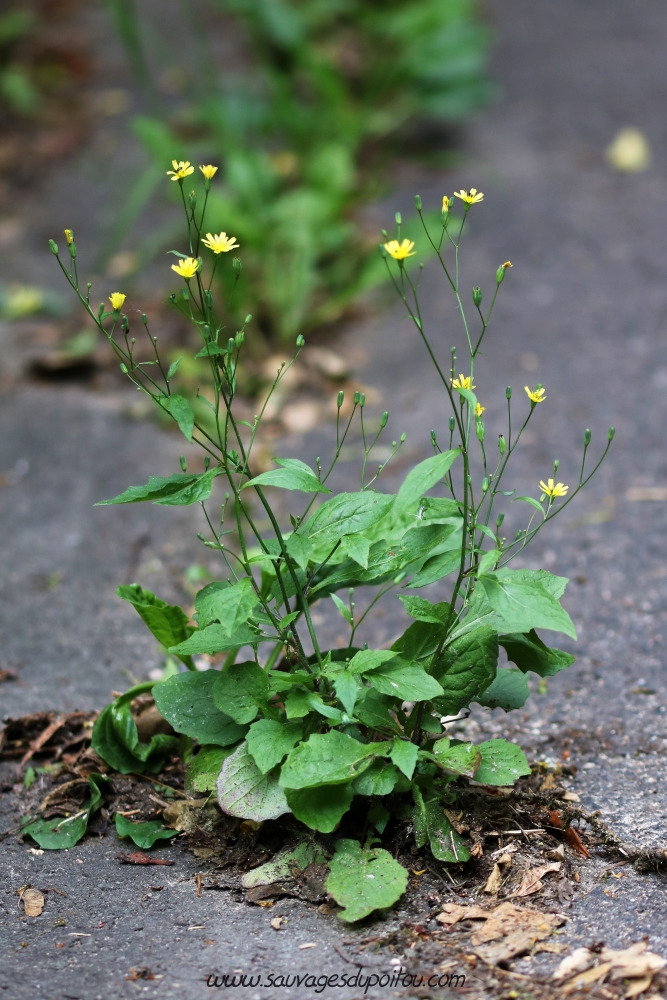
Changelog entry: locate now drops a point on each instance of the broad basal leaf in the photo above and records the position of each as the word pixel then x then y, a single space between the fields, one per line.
pixel 204 768
pixel 269 741
pixel 357 547
pixel 320 808
pixel 328 759
pixel 423 611
pixel 369 659
pixel 230 605
pixel 116 739
pixel 466 668
pixel 179 490
pixel 216 639
pixel 348 689
pixel 524 600
pixel 404 680
pixel 144 835
pixel 432 825
pixel 529 653
pixel 62 832
pixel 186 701
pixel 436 568
pixel 245 792
pixel 379 779
pixel 423 478
pixel 167 622
pixel 404 755
pixel 462 758
pixel 419 641
pixel 293 475
pixel 378 711
pixel 362 880
pixel 509 690
pixel 241 691
pixel 502 763
pixel 347 514
pixel 284 865
pixel 181 411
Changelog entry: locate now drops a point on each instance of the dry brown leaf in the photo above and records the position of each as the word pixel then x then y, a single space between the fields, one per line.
pixel 516 943
pixel 276 922
pixel 634 962
pixel 531 881
pixel 494 881
pixel 185 815
pixel 638 986
pixel 452 913
pixel 593 975
pixel 505 859
pixel 33 902
pixel 580 960
pixel 575 841
pixel 549 783
pixel 507 918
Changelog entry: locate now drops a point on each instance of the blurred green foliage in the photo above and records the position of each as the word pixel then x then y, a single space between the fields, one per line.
pixel 18 93
pixel 299 121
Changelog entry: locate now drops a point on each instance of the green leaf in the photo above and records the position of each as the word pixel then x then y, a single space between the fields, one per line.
pixel 423 478
pixel 489 561
pixel 436 568
pixel 356 547
pixel 532 502
pixel 404 755
pixel 374 711
pixel 216 639
pixel 363 880
pixel 210 350
pixel 422 541
pixel 529 653
pixel 203 770
pixel 181 411
pixel 469 396
pixel 144 835
pixel 245 792
pixel 116 740
pixel 167 622
pixel 269 741
pixel 436 507
pixel 404 680
pixel 294 475
pixel 348 688
pixel 462 758
pixel 299 547
pixel 431 824
pixel 288 619
pixel 229 604
pixel 379 779
pixel 179 490
pixel 298 703
pixel 424 611
pixel 328 759
pixel 419 641
pixel 502 763
pixel 186 701
pixel 62 832
pixel 173 368
pixel 284 864
pixel 508 691
pixel 241 691
pixel 320 808
pixel 525 599
pixel 347 514
pixel 343 608
pixel 466 668
pixel 369 659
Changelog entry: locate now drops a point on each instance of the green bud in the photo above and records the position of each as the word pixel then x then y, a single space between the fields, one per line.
pixel 208 298
pixel 53 247
pixel 418 203
pixel 499 520
pixel 192 198
pixel 144 319
pixel 100 310
pixel 383 232
pixel 477 295
pixel 237 266
pixel 587 437
pixel 517 536
pixel 433 438
pixel 502 444
pixel 362 399
pixel 500 275
pixel 400 577
pixel 185 295
pixel 479 428
pixel 123 368
pixel 200 537
pixel 382 251
pixel 184 467
pixel 341 397
pixel 72 250
pixel 556 464
pixel 610 433
pixel 300 342
pixel 247 319
pixel 485 484
pixel 398 218
pixel 356 398
pixel 172 299
pixel 239 338
pixel 452 424
pixel 383 420
pixel 508 392
pixel 231 344
pixel 403 437
pixel 206 330
pixel 207 462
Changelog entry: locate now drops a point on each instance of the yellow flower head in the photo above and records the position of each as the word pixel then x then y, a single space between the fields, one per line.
pixel 209 171
pixel 471 197
pixel 445 204
pixel 116 299
pixel 479 410
pixel 462 382
pixel 508 263
pixel 187 268
pixel 399 251
pixel 536 395
pixel 182 169
pixel 69 236
pixel 553 489
pixel 221 243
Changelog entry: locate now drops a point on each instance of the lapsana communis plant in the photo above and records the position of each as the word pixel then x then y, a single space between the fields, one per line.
pixel 351 735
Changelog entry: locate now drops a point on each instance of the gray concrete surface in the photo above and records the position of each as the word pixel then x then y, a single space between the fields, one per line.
pixel 584 311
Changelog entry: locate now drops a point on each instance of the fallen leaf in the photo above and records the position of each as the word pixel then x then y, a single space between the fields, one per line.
pixel 575 841
pixel 273 891
pixel 580 960
pixel 510 931
pixel 276 923
pixel 139 858
pixel 593 975
pixel 549 783
pixel 571 797
pixel 638 986
pixel 308 944
pixel 505 859
pixel 452 913
pixel 531 881
pixel 33 902
pixel 494 881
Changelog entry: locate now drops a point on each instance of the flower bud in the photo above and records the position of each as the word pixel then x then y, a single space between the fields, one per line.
pixel 341 397
pixel 185 295
pixel 192 199
pixel 502 444
pixel 144 319
pixel 485 484
pixel 100 310
pixel 610 433
pixel 237 267
pixel 356 398
pixel 383 420
pixel 123 368
pixel 384 234
pixel 556 464
pixel 362 399
pixel 587 437
pixel 208 298
pixel 452 424
pixel 499 520
pixel 403 437
pixel 500 275
pixel 300 342
pixel 247 319
pixel 479 428
pixel 433 438
pixel 398 218
pixel 72 250
pixel 418 203
pixel 172 299
pixel 477 295
pixel 231 344
pixel 53 247
pixel 206 330
pixel 184 467
pixel 239 338
pixel 207 462
pixel 508 392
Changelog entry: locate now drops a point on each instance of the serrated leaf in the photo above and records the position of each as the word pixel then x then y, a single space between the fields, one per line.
pixel 424 611
pixel 432 825
pixel 245 792
pixel 269 741
pixel 186 701
pixel 404 755
pixel 369 659
pixel 62 832
pixel 374 711
pixel 292 475
pixel 363 880
pixel 524 599
pixel 347 514
pixel 423 478
pixel 210 350
pixel 181 411
pixel 216 639
pixel 356 547
pixel 229 604
pixel 204 768
pixel 241 691
pixel 466 668
pixel 419 641
pixel 144 835
pixel 462 758
pixel 420 542
pixel 509 690
pixel 436 568
pixel 284 864
pixel 299 547
pixel 167 622
pixel 179 490
pixel 379 779
pixel 404 680
pixel 502 763
pixel 321 808
pixel 331 758
pixel 343 608
pixel 529 653
pixel 432 507
pixel 348 689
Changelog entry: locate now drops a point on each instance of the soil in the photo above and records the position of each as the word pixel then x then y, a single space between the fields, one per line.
pixel 583 311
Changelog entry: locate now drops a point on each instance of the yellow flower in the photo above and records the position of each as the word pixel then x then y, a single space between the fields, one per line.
pixel 116 299
pixel 69 236
pixel 508 263
pixel 537 395
pixel 209 171
pixel 553 490
pixel 471 197
pixel 399 251
pixel 479 410
pixel 187 268
pixel 462 382
pixel 445 204
pixel 181 170
pixel 221 243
